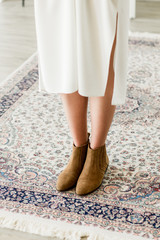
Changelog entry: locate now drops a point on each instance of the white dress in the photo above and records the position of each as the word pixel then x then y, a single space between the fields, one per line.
pixel 74 42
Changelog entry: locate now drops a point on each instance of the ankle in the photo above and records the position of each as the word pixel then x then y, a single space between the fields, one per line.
pixel 82 142
pixel 95 146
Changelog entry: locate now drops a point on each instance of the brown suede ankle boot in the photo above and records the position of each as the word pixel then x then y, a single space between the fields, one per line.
pixel 93 171
pixel 69 176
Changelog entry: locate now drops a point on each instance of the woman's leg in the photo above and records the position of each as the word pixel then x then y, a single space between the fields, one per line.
pixel 97 160
pixel 75 107
pixel 102 111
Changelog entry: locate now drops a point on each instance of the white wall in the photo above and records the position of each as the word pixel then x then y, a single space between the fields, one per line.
pixel 132 8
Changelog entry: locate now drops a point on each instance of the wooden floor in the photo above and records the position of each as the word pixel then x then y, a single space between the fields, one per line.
pixel 18 43
pixel 17 35
pixel 9 234
pixel 147 17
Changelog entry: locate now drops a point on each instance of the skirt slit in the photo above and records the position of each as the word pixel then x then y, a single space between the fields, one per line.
pixel 74 43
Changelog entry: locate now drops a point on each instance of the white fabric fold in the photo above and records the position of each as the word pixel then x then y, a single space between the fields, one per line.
pixel 74 41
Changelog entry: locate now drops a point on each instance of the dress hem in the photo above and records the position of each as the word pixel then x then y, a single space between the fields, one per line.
pixel 115 102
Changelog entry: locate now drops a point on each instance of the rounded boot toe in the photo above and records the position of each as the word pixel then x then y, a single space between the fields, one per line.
pixel 84 187
pixel 65 181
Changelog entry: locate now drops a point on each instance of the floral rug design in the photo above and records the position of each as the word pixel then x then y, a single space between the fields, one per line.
pixel 35 145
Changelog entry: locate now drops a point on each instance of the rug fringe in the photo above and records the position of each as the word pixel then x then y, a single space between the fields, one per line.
pixel 59 229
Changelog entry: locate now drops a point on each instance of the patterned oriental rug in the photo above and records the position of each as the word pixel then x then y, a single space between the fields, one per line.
pixel 35 145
